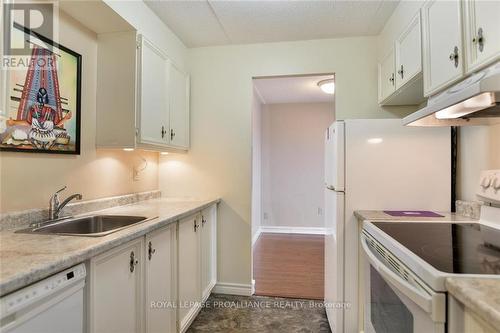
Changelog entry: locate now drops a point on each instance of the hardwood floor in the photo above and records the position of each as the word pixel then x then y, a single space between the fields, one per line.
pixel 289 265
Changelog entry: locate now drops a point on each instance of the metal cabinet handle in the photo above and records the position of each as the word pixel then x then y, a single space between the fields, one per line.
pixel 479 39
pixel 163 132
pixel 401 71
pixel 151 251
pixel 172 134
pixel 133 262
pixel 196 225
pixel 391 79
pixel 454 56
pixel 203 221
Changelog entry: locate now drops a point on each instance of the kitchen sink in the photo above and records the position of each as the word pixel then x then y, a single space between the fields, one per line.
pixel 93 225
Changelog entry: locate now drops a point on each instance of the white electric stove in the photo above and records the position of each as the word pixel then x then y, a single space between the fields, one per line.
pixel 407 263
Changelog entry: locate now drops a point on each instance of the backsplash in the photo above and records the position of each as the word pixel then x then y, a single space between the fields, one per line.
pixel 470 209
pixel 13 220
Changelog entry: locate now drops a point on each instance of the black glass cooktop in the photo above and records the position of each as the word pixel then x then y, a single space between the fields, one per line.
pixel 449 247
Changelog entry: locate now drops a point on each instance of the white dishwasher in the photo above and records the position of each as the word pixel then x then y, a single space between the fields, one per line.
pixel 53 305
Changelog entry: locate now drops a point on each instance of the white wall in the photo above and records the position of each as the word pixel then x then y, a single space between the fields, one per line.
pixel 478 149
pixel 219 161
pixel 256 162
pixel 293 163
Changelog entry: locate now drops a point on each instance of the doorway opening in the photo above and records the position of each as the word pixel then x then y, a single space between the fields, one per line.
pixel 290 115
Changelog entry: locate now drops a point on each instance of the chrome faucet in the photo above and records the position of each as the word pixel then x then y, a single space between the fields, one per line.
pixel 54 205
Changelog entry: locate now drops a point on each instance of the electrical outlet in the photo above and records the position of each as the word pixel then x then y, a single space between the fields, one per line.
pixel 320 211
pixel 265 216
pixel 135 175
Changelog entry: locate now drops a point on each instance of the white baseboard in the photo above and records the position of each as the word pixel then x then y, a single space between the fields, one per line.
pixel 188 320
pixel 206 293
pixel 233 289
pixel 256 236
pixel 292 230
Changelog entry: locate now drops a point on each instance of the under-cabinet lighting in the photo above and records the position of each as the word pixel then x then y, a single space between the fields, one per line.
pixel 164 153
pixel 128 149
pixel 473 104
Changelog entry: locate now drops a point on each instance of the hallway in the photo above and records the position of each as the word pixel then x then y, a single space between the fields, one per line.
pixel 289 265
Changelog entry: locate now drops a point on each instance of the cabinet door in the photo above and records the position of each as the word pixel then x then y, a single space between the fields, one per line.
pixel 179 108
pixel 409 53
pixel 386 77
pixel 482 32
pixel 189 270
pixel 160 273
pixel 208 250
pixel 153 71
pixel 116 290
pixel 442 44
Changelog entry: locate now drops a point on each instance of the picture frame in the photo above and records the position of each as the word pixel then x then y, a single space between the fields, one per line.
pixel 43 107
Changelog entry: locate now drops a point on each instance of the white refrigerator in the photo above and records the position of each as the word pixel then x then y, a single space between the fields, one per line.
pixel 375 165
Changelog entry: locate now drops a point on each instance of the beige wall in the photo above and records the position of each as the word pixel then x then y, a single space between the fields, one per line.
pixel 219 161
pixel 28 180
pixel 145 21
pixel 257 107
pixel 293 163
pixel 478 149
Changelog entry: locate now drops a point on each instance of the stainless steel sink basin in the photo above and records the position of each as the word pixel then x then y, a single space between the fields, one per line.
pixel 94 225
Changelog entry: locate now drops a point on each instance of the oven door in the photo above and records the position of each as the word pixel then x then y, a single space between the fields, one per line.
pixel 395 299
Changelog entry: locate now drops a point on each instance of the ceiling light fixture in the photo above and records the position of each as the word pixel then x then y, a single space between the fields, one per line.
pixel 328 86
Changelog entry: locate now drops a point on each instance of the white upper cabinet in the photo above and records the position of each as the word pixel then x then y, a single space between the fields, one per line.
pixel 481 33
pixel 142 96
pixel 153 94
pixel 386 77
pixel 443 58
pixel 179 108
pixel 400 72
pixel 409 53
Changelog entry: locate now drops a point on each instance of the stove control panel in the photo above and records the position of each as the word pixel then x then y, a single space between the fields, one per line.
pixel 489 186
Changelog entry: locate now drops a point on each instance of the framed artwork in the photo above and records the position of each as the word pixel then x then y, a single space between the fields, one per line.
pixel 42 111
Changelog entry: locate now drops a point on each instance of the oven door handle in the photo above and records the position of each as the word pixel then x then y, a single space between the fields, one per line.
pixel 422 299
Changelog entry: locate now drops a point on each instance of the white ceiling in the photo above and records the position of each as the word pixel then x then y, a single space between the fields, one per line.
pixel 220 22
pixel 294 89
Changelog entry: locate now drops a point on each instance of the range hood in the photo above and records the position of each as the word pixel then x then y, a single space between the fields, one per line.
pixel 473 101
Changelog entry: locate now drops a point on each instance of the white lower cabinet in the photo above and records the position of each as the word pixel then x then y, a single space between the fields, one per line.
pixel 197 273
pixel 189 273
pixel 154 283
pixel 115 294
pixel 208 251
pixel 160 277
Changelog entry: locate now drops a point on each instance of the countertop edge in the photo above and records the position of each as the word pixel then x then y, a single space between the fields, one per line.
pixel 470 297
pixel 24 279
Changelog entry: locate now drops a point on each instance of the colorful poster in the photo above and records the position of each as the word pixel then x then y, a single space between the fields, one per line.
pixel 43 106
